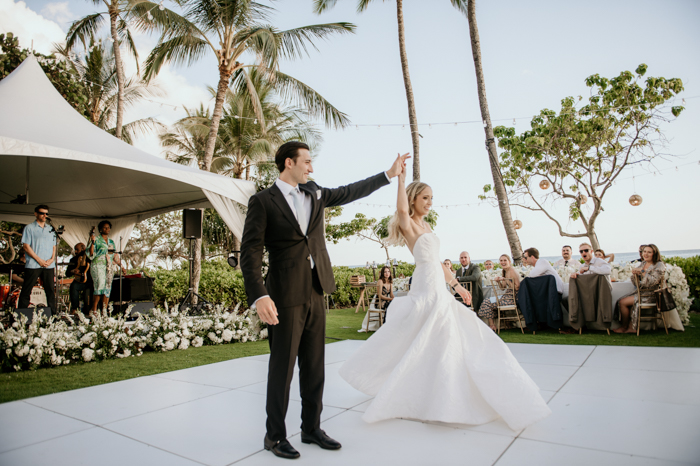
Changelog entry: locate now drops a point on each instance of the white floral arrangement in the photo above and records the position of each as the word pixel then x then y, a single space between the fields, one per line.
pixel 53 342
pixel 678 286
pixel 401 284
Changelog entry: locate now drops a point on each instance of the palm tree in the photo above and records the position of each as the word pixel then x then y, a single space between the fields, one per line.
pixel 119 12
pixel 237 27
pixel 322 5
pixel 467 7
pixel 98 70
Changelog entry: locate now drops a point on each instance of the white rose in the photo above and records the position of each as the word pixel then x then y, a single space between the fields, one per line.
pixel 92 345
pixel 105 333
pixel 169 345
pixel 36 341
pixel 227 335
pixel 87 354
pixel 197 342
pixel 184 343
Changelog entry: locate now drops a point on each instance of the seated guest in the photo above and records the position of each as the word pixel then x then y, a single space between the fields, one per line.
pixel 385 290
pixel 471 273
pixel 488 265
pixel 448 264
pixel 565 257
pixel 647 277
pixel 539 297
pixel 531 257
pixel 592 264
pixel 488 309
pixel 81 286
pixel 600 254
pixel 641 259
pixel 590 299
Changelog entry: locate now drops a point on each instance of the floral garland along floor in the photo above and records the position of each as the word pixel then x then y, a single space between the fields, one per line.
pixel 53 342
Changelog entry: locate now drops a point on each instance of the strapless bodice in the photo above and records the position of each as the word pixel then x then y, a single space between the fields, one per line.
pixel 427 248
pixel 428 276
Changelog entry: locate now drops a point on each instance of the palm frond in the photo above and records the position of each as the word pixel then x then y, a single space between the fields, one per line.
pixel 130 46
pixel 178 50
pixel 293 42
pixel 321 6
pixel 296 91
pixel 83 29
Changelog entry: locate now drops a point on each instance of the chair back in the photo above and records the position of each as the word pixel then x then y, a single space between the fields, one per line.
pixel 499 292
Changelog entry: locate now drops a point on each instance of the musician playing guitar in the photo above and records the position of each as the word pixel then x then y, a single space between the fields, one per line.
pixel 81 287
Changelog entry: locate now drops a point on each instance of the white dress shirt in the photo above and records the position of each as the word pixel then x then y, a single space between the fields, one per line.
pixel 543 267
pixel 598 266
pixel 564 262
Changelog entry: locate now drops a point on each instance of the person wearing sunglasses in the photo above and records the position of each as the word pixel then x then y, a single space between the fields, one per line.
pixel 592 264
pixel 39 244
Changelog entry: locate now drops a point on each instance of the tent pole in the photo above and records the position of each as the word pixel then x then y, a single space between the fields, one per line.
pixel 26 184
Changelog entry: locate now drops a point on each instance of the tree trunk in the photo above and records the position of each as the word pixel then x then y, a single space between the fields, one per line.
pixel 196 268
pixel 224 77
pixel 113 15
pixel 409 93
pixel 499 187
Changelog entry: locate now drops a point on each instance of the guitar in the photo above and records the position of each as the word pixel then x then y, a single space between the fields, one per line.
pixel 83 264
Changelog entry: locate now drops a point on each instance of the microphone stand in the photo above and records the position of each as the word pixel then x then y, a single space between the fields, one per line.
pixel 121 275
pixel 57 235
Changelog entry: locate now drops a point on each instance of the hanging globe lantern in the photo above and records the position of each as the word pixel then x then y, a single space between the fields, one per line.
pixel 635 200
pixel 545 184
pixel 582 198
pixel 518 224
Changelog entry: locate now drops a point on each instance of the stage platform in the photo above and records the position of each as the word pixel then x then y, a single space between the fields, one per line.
pixel 611 406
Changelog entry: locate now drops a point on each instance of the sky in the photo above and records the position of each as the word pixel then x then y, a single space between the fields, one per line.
pixel 534 54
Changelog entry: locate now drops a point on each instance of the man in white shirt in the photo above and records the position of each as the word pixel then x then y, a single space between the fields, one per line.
pixel 565 257
pixel 542 267
pixel 593 264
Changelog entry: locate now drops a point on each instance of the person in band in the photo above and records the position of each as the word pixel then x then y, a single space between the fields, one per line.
pixel 18 277
pixel 39 243
pixel 79 288
pixel 101 253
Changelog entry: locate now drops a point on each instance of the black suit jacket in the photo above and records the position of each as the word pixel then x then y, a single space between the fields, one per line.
pixel 270 223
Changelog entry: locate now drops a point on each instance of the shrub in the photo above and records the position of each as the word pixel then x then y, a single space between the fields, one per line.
pixel 691 269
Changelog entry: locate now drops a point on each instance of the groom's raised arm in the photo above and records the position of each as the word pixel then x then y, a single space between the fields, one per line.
pixel 354 191
pixel 252 245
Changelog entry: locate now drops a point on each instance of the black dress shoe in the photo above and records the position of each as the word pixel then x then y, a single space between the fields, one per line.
pixel 320 438
pixel 282 448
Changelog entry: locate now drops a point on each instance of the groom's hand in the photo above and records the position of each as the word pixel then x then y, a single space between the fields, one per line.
pixel 267 311
pixel 399 164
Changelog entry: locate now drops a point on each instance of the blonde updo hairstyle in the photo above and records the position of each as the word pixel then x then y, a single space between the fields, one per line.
pixel 396 238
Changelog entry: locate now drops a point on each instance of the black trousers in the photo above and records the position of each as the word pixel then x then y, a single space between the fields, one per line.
pixel 30 278
pixel 80 292
pixel 301 332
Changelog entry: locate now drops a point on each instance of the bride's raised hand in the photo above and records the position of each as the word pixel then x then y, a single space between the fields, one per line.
pixel 398 165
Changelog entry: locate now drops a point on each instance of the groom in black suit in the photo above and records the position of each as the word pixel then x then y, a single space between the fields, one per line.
pixel 288 220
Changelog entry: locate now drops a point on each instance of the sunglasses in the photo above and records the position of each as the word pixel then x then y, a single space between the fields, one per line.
pixel 43 213
pixel 583 250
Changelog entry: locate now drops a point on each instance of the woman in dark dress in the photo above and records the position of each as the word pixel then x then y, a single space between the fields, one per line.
pixel 385 289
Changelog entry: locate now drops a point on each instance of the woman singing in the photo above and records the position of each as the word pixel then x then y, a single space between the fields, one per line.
pixel 101 252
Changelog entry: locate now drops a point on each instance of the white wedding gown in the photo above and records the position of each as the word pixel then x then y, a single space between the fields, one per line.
pixel 435 360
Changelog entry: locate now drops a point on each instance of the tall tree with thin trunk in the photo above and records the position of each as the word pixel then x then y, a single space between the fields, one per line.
pixel 467 7
pixel 322 5
pixel 83 30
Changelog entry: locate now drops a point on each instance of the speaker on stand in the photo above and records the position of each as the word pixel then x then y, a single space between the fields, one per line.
pixel 192 230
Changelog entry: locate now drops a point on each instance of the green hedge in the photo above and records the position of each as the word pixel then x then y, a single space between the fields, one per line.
pixel 691 269
pixel 222 284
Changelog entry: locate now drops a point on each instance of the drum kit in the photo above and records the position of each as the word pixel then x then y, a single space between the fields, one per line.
pixel 9 293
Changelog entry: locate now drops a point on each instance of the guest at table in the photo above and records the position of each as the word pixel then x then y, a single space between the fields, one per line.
pixel 531 256
pixel 385 289
pixel 592 265
pixel 448 264
pixel 600 254
pixel 646 277
pixel 565 257
pixel 101 252
pixel 471 273
pixel 488 309
pixel 488 265
pixel 641 258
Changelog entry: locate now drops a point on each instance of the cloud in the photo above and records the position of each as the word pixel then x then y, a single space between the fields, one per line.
pixel 59 12
pixel 29 26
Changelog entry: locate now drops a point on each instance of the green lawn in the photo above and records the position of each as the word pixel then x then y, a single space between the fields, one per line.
pixel 342 325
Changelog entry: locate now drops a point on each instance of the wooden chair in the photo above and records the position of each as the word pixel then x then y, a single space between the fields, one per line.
pixel 372 310
pixel 358 281
pixel 654 307
pixel 500 294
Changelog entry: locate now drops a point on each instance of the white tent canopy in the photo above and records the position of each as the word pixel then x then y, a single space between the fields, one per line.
pixel 85 175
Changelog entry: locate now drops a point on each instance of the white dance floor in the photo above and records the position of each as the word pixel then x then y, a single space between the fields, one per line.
pixel 611 406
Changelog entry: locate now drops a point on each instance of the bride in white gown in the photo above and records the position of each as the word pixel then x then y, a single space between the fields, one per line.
pixel 434 359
